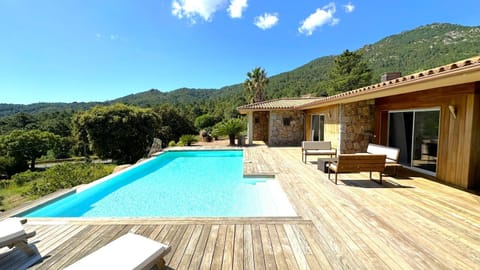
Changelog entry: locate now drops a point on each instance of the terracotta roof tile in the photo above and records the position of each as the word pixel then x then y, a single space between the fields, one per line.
pixel 278 104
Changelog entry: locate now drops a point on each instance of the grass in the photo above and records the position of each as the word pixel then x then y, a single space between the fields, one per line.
pixel 12 197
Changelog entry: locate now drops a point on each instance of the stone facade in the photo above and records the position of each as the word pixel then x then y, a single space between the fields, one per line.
pixel 286 128
pixel 260 126
pixel 357 124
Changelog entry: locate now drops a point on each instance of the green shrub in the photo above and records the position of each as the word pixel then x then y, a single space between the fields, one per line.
pixel 205 121
pixel 25 177
pixel 188 139
pixel 68 175
pixel 4 183
pixel 172 144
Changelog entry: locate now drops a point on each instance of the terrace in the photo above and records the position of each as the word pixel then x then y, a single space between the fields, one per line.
pixel 409 222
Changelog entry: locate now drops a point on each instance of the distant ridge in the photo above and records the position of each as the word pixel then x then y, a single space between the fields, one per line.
pixel 407 52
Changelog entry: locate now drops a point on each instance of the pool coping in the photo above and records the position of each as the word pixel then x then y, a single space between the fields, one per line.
pixel 38 203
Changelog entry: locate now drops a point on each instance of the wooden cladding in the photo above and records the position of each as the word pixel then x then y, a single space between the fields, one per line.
pixel 459 138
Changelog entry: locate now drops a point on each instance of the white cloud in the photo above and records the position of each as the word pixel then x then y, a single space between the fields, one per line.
pixel 191 9
pixel 236 8
pixel 266 21
pixel 349 8
pixel 320 17
pixel 107 36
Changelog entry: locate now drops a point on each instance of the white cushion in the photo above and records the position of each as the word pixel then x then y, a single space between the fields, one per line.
pixel 320 152
pixel 130 251
pixel 9 229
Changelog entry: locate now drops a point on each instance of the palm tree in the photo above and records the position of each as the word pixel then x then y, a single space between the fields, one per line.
pixel 231 127
pixel 255 84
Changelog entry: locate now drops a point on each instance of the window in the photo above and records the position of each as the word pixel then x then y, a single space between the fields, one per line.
pixel 415 133
pixel 318 127
pixel 286 121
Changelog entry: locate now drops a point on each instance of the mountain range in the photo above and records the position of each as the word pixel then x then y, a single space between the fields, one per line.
pixel 407 52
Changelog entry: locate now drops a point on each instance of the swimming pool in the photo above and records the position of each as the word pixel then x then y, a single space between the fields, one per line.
pixel 177 184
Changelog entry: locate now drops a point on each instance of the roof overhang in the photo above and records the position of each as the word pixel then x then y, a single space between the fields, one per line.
pixel 404 85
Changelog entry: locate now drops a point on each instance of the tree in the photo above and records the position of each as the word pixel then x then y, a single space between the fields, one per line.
pixel 231 127
pixel 349 72
pixel 118 131
pixel 28 145
pixel 205 121
pixel 255 84
pixel 172 124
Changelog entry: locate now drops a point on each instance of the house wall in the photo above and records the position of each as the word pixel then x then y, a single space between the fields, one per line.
pixel 260 126
pixel 357 126
pixel 331 124
pixel 474 174
pixel 459 143
pixel 286 128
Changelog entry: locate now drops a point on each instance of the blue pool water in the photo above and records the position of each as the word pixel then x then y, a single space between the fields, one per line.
pixel 177 184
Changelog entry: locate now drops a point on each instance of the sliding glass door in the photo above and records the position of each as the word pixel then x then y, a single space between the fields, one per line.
pixel 415 133
pixel 318 127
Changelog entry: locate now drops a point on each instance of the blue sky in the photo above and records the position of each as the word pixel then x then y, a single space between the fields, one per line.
pixel 96 50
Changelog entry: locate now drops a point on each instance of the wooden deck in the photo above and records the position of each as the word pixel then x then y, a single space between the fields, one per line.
pixel 406 223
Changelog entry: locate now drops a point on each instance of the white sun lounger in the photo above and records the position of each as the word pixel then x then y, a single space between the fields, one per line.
pixel 12 235
pixel 130 251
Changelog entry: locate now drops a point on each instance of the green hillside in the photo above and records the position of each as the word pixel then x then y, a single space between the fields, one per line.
pixel 407 52
pixel 154 97
pixel 422 48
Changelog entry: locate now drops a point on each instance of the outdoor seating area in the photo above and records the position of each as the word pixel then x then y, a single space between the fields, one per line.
pixel 408 222
pixel 317 148
pixel 356 163
pixel 391 153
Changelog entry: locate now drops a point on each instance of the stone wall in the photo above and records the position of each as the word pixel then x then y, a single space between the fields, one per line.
pixel 286 128
pixel 357 126
pixel 260 126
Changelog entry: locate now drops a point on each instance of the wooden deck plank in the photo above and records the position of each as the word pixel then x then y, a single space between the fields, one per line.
pixel 238 253
pixel 286 248
pixel 176 250
pixel 200 247
pixel 258 255
pixel 182 246
pixel 296 247
pixel 190 248
pixel 229 250
pixel 268 254
pixel 210 247
pixel 276 247
pixel 248 253
pixel 219 248
pixel 84 239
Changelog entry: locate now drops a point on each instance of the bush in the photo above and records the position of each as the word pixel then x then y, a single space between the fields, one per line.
pixel 68 175
pixel 172 144
pixel 9 166
pixel 188 139
pixel 205 121
pixel 120 132
pixel 21 178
